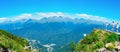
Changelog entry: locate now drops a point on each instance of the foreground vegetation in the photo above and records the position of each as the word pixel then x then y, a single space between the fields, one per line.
pixel 10 42
pixel 95 40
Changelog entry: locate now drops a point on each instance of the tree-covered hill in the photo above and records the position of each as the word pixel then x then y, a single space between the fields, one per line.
pixel 96 40
pixel 9 42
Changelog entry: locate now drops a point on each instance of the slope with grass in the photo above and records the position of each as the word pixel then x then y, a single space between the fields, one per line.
pixel 95 40
pixel 9 42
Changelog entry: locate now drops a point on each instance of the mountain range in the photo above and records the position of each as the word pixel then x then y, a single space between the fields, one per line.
pixel 58 30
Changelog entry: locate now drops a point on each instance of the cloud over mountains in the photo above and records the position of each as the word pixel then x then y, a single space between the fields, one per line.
pixel 40 15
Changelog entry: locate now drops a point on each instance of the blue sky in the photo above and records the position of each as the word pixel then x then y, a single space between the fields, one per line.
pixel 105 8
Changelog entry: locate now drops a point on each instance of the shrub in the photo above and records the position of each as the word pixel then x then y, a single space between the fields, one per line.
pixel 72 46
pixel 78 47
pixel 98 45
pixel 112 37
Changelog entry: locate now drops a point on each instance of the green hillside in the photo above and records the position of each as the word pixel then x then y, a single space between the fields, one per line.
pixel 95 40
pixel 12 43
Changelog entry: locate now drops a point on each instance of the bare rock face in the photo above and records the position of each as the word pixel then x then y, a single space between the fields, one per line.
pixel 117 46
pixel 102 50
pixel 117 43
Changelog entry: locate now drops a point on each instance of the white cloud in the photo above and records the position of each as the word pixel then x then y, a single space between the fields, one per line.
pixel 2 19
pixel 23 16
pixel 92 17
pixel 50 14
pixel 40 15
